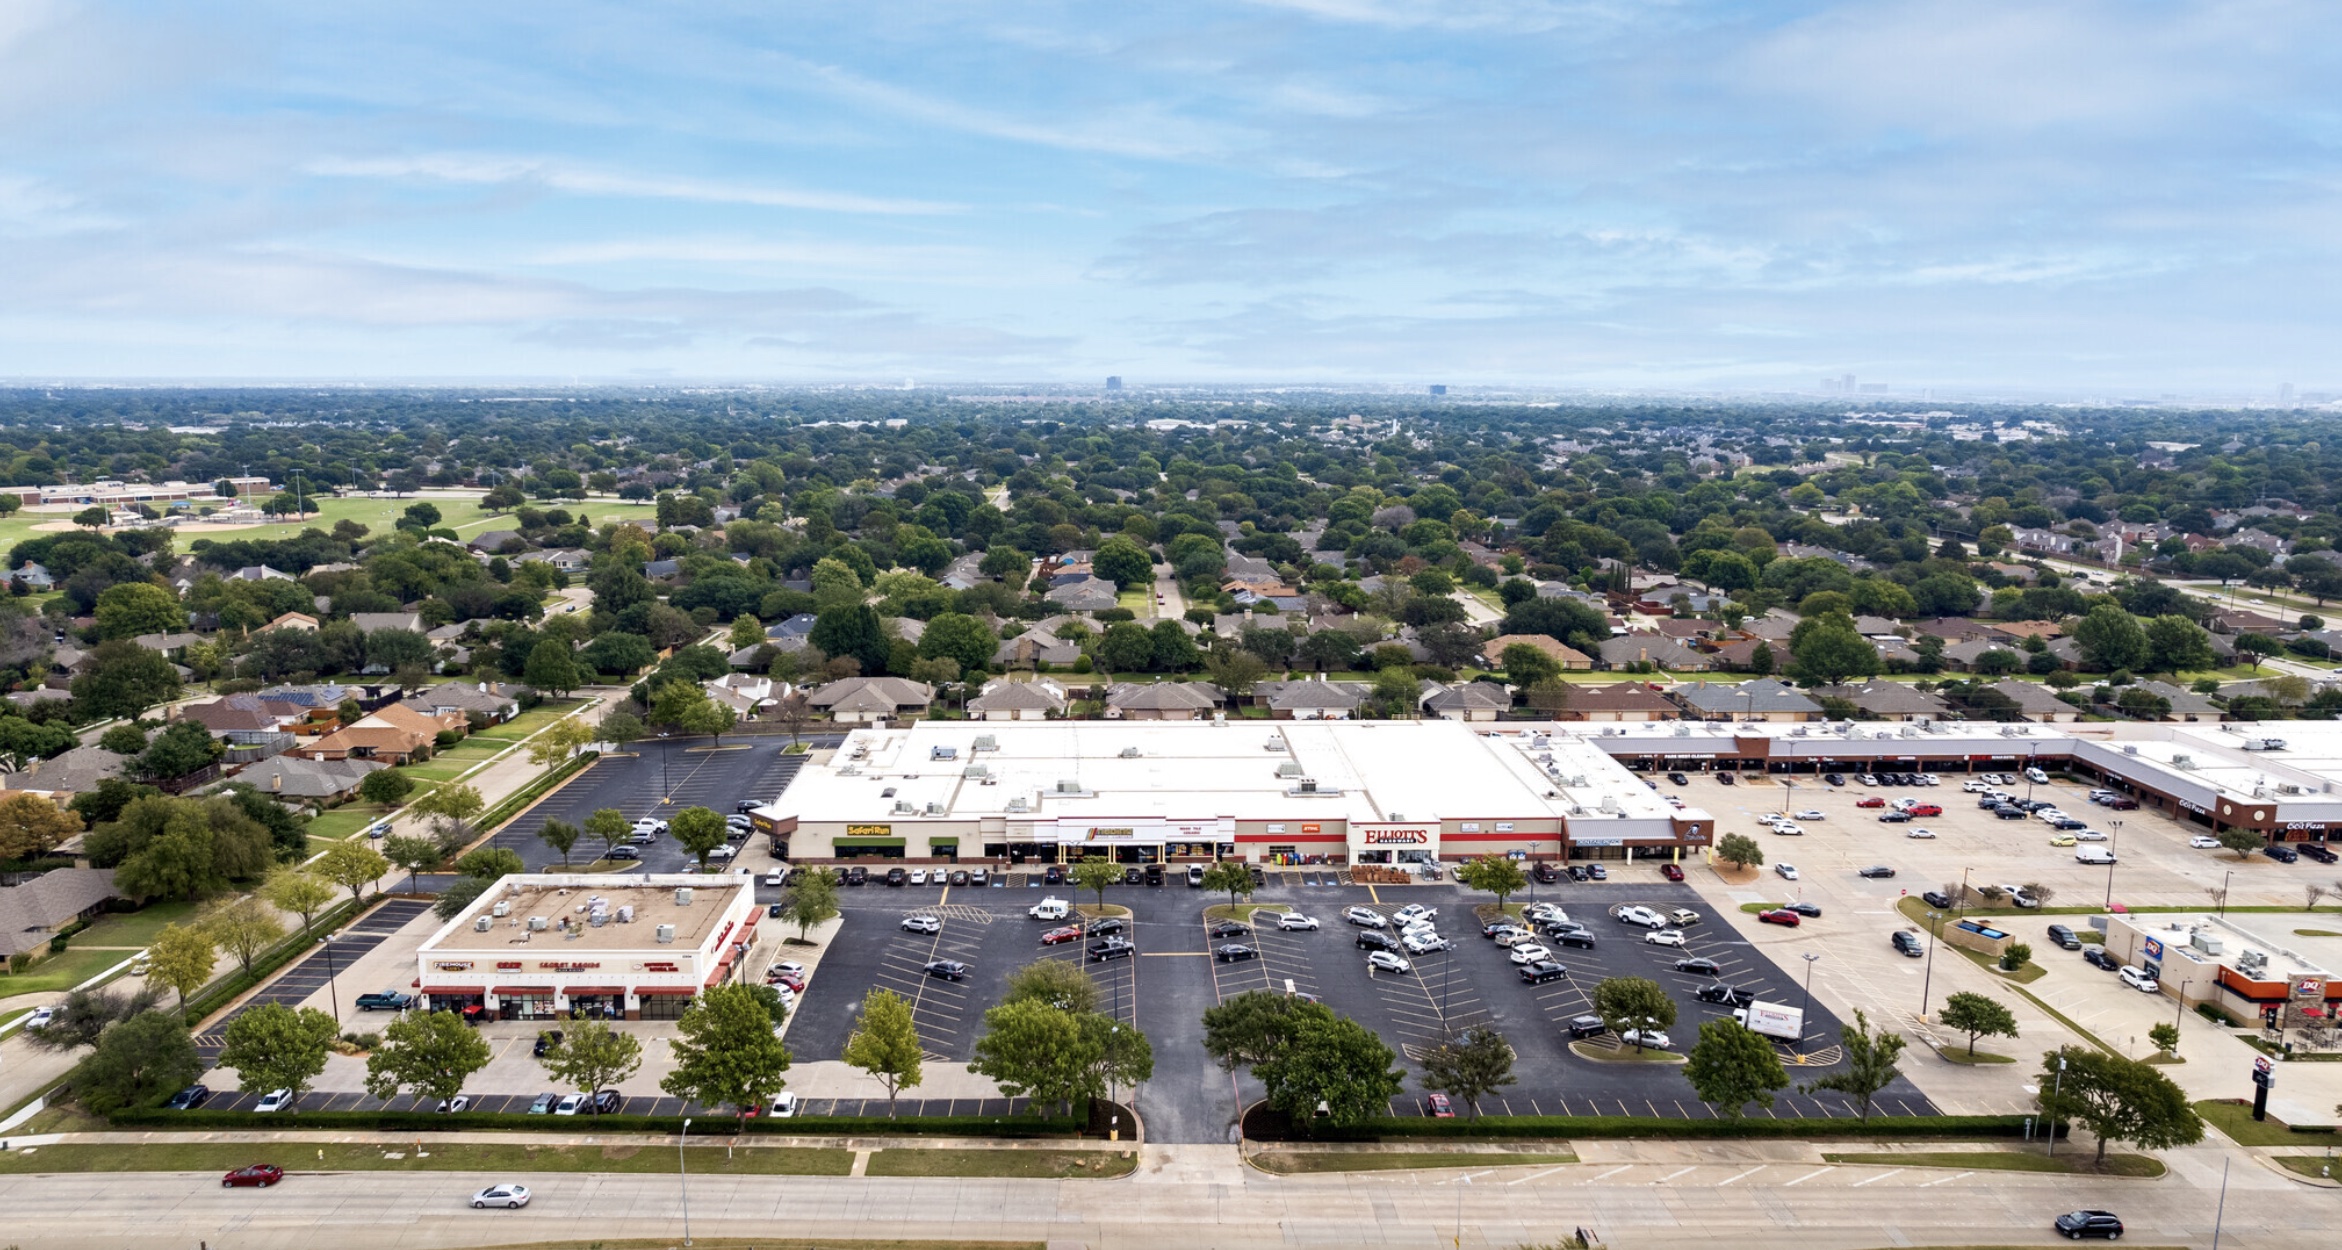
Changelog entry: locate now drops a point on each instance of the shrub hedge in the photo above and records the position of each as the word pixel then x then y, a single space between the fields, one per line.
pixel 1261 1124
pixel 426 1121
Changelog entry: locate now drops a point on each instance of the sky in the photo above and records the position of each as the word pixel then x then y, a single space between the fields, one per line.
pixel 2135 197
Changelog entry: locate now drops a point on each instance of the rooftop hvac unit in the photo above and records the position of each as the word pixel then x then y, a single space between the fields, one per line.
pixel 1127 753
pixel 666 935
pixel 1018 804
pixel 597 918
pixel 2288 788
pixel 2183 761
pixel 626 913
pixel 1682 730
pixel 1220 719
pixel 683 896
pixel 1798 732
pixel 989 781
pixel 904 807
pixel 849 771
pixel 943 753
pixel 935 809
pixel 2206 942
pixel 1276 742
pixel 502 909
pixel 1609 805
pixel 1290 768
pixel 538 924
pixel 985 742
pixel 1308 785
pixel 2130 750
pixel 1609 731
pixel 483 924
pixel 1069 786
pixel 976 771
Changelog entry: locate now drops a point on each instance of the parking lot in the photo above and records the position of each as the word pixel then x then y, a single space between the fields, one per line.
pixel 682 773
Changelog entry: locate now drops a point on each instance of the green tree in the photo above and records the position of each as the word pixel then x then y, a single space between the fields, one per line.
pixel 1398 693
pixel 133 608
pixel 1124 563
pixel 960 638
pixel 1126 647
pixel 2111 638
pixel 561 836
pixel 1496 875
pixel 592 1059
pixel 2242 841
pixel 124 679
pixel 711 718
pixel 552 668
pixel 411 853
pixel 1234 671
pixel 1470 1067
pixel 1740 851
pixel 353 866
pixel 1230 876
pixel 181 957
pixel 1335 1063
pixel 1095 874
pixel 1055 983
pixel 183 748
pixel 2165 1038
pixel 1870 1064
pixel 2176 644
pixel 1255 1026
pixel 243 927
pixel 699 831
pixel 728 1054
pixel 298 891
pixel 2255 648
pixel 853 631
pixel 86 1013
pixel 1978 1015
pixel 93 518
pixel 1636 1003
pixel 620 729
pixel 608 826
pixel 1827 650
pixel 427 1053
pixel 179 861
pixel 450 809
pixel 1732 1067
pixel 1525 666
pixel 1032 1049
pixel 271 1046
pixel 886 1044
pixel 138 1062
pixel 491 863
pixel 813 901
pixel 386 787
pixel 124 739
pixel 31 825
pixel 2117 1099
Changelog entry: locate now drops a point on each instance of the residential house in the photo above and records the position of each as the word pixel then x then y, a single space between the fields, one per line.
pixel 2186 705
pixel 1656 649
pixel 2018 631
pixel 2035 702
pixel 1763 699
pixel 1626 701
pixel 566 559
pixel 393 734
pixel 299 782
pixel 301 621
pixel 660 570
pixel 1033 648
pixel 368 622
pixel 1876 627
pixel 1164 700
pixel 77 771
pixel 1003 699
pixel 1774 626
pixel 867 700
pixel 1467 701
pixel 745 693
pixel 32 913
pixel 27 699
pixel 496 701
pixel 1311 699
pixel 34 577
pixel 259 573
pixel 1953 628
pixel 2247 623
pixel 1086 594
pixel 246 718
pixel 171 645
pixel 1963 655
pixel 1888 700
pixel 494 542
pixel 1569 657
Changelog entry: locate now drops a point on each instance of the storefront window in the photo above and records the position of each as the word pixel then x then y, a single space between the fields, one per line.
pixel 663 1006
pixel 526 1006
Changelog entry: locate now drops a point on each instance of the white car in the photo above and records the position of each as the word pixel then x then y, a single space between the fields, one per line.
pixel 1384 961
pixel 510 1197
pixel 774 878
pixel 922 924
pixel 1413 912
pixel 2139 980
pixel 1787 872
pixel 1810 814
pixel 1973 787
pixel 1919 833
pixel 2204 842
pixel 1545 913
pixel 1424 941
pixel 1930 779
pixel 41 1018
pixel 1866 779
pixel 1294 920
pixel 1529 953
pixel 1365 917
pixel 786 968
pixel 1653 1038
pixel 918 876
pixel 650 826
pixel 1904 804
pixel 1664 937
pixel 570 1104
pixel 722 854
pixel 275 1100
pixel 784 1105
pixel 2089 835
pixel 1643 916
pixel 1789 829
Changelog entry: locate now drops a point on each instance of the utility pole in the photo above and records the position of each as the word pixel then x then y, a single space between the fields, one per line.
pixel 1927 983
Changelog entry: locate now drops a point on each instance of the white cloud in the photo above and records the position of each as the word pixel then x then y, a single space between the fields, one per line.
pixel 487 169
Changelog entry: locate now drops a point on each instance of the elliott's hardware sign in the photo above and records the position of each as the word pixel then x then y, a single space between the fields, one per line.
pixel 1396 837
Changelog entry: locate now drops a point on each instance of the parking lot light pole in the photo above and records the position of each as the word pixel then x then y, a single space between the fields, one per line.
pixel 683 1178
pixel 332 987
pixel 1926 983
pixel 2056 1092
pixel 1810 960
pixel 2115 840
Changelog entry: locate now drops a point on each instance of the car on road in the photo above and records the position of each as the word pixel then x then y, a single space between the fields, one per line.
pixel 2137 979
pixel 385 1000
pixel 1780 915
pixel 509 1196
pixel 1112 948
pixel 1664 937
pixel 546 1041
pixel 1671 872
pixel 1365 916
pixel 544 1104
pixel 1235 952
pixel 1372 940
pixel 1907 942
pixel 274 1100
pixel 1870 800
pixel 1644 916
pixel 190 1098
pixel 1293 920
pixel 256 1176
pixel 1875 871
pixel 1787 872
pixel 1919 832
pixel 2064 938
pixel 1699 965
pixel 947 969
pixel 1650 1038
pixel 1542 971
pixel 1530 953
pixel 1582 1027
pixel 2075 1225
pixel 1385 961
pixel 1062 933
pixel 1730 995
pixel 1228 929
pixel 1811 911
pixel 922 924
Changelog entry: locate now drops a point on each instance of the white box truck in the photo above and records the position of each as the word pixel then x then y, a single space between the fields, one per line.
pixel 1772 1020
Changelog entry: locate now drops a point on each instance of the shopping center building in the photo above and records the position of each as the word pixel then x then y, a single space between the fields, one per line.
pixel 539 946
pixel 1334 792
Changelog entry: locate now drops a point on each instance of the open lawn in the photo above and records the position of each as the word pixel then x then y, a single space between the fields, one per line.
pixel 1294 1163
pixel 2077 1161
pixel 487 1158
pixel 1036 1164
pixel 380 516
pixel 531 721
pixel 346 820
pixel 2235 1121
pixel 2319 1166
pixel 136 928
pixel 60 972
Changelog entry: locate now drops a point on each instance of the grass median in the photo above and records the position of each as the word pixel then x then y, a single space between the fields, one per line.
pixel 1297 1163
pixel 765 1243
pixel 2075 1162
pixel 1020 1164
pixel 2235 1122
pixel 481 1157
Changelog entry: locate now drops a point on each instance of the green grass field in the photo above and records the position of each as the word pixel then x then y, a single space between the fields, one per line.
pixel 59 972
pixel 2075 1161
pixel 1035 1164
pixel 2235 1121
pixel 380 516
pixel 484 1158
pixel 135 928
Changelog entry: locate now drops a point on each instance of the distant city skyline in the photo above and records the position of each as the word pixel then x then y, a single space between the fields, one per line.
pixel 1942 199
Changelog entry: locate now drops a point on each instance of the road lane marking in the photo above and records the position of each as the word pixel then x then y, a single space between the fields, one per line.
pixel 1809 1176
pixel 1743 1176
pixel 1947 1180
pixel 1672 1175
pixel 1541 1175
pixel 1875 1179
pixel 1612 1172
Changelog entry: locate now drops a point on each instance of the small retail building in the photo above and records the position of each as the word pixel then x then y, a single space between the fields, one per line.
pixel 541 946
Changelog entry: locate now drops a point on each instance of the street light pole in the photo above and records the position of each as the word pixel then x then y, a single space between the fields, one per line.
pixel 332 986
pixel 683 1178
pixel 2224 890
pixel 2057 1092
pixel 1927 982
pixel 1963 899
pixel 1810 960
pixel 2113 843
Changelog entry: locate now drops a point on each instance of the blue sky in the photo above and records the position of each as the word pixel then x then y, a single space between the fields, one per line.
pixel 2134 197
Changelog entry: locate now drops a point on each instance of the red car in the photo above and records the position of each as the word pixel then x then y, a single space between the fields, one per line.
pixel 1872 801
pixel 1065 933
pixel 1671 872
pixel 1441 1109
pixel 1927 809
pixel 261 1175
pixel 1779 915
pixel 796 984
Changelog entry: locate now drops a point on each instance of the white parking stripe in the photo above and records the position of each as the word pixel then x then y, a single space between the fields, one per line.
pixel 1672 1175
pixel 1946 1180
pixel 1809 1176
pixel 1876 1179
pixel 1612 1172
pixel 1540 1175
pixel 1743 1176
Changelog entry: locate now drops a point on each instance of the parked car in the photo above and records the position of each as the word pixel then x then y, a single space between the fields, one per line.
pixel 385 1000
pixel 1545 873
pixel 1834 779
pixel 1894 818
pixel 2061 839
pixel 570 1104
pixel 256 1176
pixel 2310 850
pixel 1530 953
pixel 190 1098
pixel 2075 1225
pixel 1671 872
pixel 1724 779
pixel 461 1102
pixel 1810 911
pixel 1730 995
pixel 607 1101
pixel 1699 966
pixel 897 877
pixel 1919 832
pixel 1385 961
pixel 1424 941
pixel 1650 1038
pixel 1679 779
pixel 1413 912
pixel 1664 937
pixel 959 876
pixel 918 876
pixel 509 1196
pixel 1779 915
pixel 1062 933
pixel 1926 809
pixel 2064 937
pixel 2282 854
pixel 2137 979
pixel 2099 958
pixel 947 969
pixel 784 1106
pixel 1810 814
pixel 1235 952
pixel 979 877
pixel 1582 1027
pixel 274 1100
pixel 1542 971
pixel 1440 1107
pixel 1228 929
pixel 922 924
pixel 857 875
pixel 1111 948
pixel 1365 916
pixel 1110 924
pixel 1596 872
pixel 1376 940
pixel 1935 898
pixel 546 1041
pixel 544 1104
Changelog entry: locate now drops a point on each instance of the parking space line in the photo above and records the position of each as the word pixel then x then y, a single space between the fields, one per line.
pixel 1672 1175
pixel 1876 1179
pixel 1540 1175
pixel 1808 1176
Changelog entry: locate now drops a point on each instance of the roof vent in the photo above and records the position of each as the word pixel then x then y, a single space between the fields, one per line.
pixel 1018 804
pixel 985 742
pixel 666 935
pixel 683 896
pixel 1128 753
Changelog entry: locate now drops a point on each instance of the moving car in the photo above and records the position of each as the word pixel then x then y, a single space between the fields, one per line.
pixel 1372 940
pixel 2096 855
pixel 1384 961
pixel 1530 953
pixel 1894 818
pixel 1582 938
pixel 1811 911
pixel 190 1098
pixel 1292 920
pixel 1787 872
pixel 256 1176
pixel 1581 1027
pixel 2137 979
pixel 1925 809
pixel 1907 942
pixel 2064 937
pixel 2095 835
pixel 1413 912
pixel 1870 800
pixel 1544 913
pixel 1063 933
pixel 2061 839
pixel 1779 915
pixel 1719 992
pixel 947 969
pixel 1671 872
pixel 1424 941
pixel 2097 958
pixel 1699 965
pixel 510 1197
pixel 2314 850
pixel 1365 916
pixel 626 853
pixel 1643 916
pixel 1235 952
pixel 1875 870
pixel 2076 1225
pixel 1542 971
pixel 1664 937
pixel 922 924
pixel 275 1100
pixel 1917 832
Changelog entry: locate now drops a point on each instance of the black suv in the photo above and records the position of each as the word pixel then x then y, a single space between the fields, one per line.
pixel 1586 1026
pixel 1115 948
pixel 857 875
pixel 2317 851
pixel 2282 854
pixel 898 876
pixel 1935 898
pixel 1722 993
pixel 1907 942
pixel 1373 940
pixel 1545 873
pixel 2097 958
pixel 2064 937
pixel 546 1041
pixel 1542 971
pixel 2076 1225
pixel 1571 936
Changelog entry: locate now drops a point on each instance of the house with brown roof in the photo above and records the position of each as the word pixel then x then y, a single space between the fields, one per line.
pixel 1621 650
pixel 1003 699
pixel 1467 701
pixel 32 913
pixel 2019 631
pixel 392 734
pixel 1163 700
pixel 1626 701
pixel 1887 700
pixel 1569 657
pixel 291 620
pixel 866 700
pixel 2036 702
pixel 1953 628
